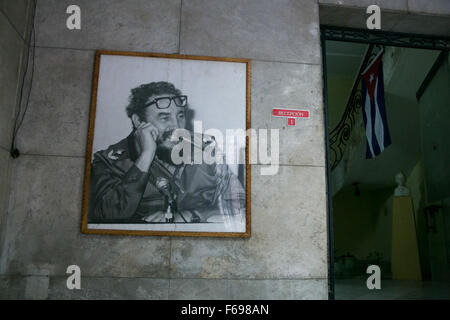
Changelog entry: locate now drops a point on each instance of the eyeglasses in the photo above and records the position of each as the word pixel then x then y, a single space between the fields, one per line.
pixel 164 102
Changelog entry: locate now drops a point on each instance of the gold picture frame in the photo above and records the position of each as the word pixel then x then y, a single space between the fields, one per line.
pixel 182 62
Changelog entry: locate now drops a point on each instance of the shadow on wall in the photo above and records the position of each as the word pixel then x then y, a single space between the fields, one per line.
pixel 416 184
pixel 363 227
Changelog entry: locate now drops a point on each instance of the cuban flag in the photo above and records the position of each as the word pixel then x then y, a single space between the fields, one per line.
pixel 374 112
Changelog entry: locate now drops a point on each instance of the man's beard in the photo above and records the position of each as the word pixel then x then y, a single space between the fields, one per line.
pixel 165 146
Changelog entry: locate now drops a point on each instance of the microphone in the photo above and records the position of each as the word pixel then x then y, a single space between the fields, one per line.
pixel 163 185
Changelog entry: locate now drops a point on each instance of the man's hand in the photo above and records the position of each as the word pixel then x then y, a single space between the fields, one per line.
pixel 146 135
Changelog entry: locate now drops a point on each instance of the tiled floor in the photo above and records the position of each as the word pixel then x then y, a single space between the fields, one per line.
pixel 356 289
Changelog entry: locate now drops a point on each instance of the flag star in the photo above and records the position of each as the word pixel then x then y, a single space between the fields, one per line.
pixel 371 78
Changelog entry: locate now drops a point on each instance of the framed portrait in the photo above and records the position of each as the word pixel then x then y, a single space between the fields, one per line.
pixel 167 151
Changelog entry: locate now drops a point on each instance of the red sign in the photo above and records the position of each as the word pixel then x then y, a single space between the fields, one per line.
pixel 291 121
pixel 290 113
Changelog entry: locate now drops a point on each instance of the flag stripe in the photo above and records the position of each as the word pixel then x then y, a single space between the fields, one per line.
pixel 367 122
pixel 375 146
pixel 379 127
pixel 380 98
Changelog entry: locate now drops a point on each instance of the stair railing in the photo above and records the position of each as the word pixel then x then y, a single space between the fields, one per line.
pixel 340 135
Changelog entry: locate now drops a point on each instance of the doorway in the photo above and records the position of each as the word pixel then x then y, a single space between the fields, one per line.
pixel 390 209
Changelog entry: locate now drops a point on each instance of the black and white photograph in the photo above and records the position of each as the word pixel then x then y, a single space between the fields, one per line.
pixel 154 119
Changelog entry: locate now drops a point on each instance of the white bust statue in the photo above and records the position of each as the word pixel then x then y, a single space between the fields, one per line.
pixel 401 190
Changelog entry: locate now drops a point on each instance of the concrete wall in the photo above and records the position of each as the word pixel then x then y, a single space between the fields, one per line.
pixel 14 33
pixel 285 258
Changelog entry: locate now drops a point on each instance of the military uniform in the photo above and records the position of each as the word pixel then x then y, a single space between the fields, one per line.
pixel 120 192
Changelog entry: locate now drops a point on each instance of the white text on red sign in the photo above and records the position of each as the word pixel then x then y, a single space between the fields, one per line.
pixel 290 113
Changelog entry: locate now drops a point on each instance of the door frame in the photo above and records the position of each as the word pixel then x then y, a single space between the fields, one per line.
pixel 377 37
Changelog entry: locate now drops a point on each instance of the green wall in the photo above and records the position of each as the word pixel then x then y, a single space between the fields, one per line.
pixel 362 224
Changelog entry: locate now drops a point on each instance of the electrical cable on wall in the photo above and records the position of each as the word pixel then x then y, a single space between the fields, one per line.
pixel 18 123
